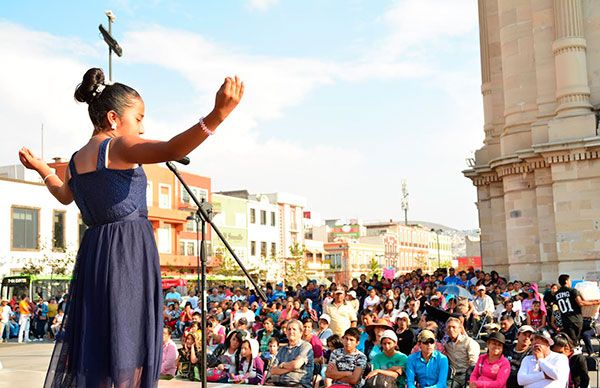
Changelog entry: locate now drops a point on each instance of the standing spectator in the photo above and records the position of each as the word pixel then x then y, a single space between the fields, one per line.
pixel 5 312
pixel 168 367
pixel 351 298
pixel 346 365
pixel 52 311
pixel 171 297
pixel 24 319
pixel 492 369
pixel 390 362
pixel 341 313
pixel 543 368
pixel 427 367
pixel 462 350
pixel 293 365
pixel 41 318
pixel 570 302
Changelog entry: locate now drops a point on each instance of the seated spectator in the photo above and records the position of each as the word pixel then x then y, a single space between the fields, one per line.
pixel 432 327
pixel 516 353
pixel 390 362
pixel 245 313
pixel 55 326
pixel 375 330
pixel 536 318
pixel 544 368
pixel 317 346
pixel 427 367
pixel 406 337
pixel 185 319
pixel 346 365
pixel 462 350
pixel 169 356
pixel 223 359
pixel 367 318
pixel 264 335
pixel 249 367
pixel 187 363
pixel 293 365
pixel 508 329
pixel 215 333
pixel 273 348
pixel 578 376
pixel 324 331
pixel 492 369
pixel 242 325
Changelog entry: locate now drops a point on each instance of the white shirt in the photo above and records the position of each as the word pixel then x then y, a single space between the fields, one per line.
pixel 482 305
pixel 370 301
pixel 6 313
pixel 249 315
pixel 531 372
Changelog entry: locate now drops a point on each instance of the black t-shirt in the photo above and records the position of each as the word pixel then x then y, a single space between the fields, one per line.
pixel 406 341
pixel 514 358
pixel 566 299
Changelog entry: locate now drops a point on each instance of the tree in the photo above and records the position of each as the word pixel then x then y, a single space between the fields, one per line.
pixel 296 265
pixel 374 268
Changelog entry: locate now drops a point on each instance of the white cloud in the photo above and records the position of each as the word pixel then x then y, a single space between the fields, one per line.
pixel 262 5
pixel 37 85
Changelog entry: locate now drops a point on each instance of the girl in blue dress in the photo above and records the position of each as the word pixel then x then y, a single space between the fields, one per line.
pixel 112 331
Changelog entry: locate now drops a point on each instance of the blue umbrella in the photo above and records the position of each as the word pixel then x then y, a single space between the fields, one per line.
pixel 455 290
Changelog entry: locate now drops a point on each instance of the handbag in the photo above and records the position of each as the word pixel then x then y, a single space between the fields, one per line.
pixel 381 381
pixel 215 375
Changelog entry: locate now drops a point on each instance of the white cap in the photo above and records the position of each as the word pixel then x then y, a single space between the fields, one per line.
pixel 352 294
pixel 481 288
pixel 325 317
pixel 403 315
pixel 389 334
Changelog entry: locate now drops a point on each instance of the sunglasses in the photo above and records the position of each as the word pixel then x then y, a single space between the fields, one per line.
pixel 428 342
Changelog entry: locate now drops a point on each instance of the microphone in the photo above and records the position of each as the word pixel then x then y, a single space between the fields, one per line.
pixel 185 161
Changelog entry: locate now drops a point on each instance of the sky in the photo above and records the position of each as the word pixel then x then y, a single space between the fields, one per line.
pixel 344 98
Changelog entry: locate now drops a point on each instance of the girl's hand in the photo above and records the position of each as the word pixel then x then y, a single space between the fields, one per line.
pixel 29 160
pixel 228 96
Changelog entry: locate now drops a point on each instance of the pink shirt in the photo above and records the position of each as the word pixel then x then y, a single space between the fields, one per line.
pixel 169 359
pixel 490 374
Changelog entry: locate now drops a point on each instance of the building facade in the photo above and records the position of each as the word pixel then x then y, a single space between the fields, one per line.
pixel 291 221
pixel 37 228
pixel 538 172
pixel 231 219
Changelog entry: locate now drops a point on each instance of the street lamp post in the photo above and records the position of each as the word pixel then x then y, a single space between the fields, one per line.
pixel 437 238
pixel 113 45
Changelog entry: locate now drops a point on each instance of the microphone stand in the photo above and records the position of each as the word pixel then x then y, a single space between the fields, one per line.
pixel 203 215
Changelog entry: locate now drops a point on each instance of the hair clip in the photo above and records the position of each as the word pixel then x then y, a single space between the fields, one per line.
pixel 99 89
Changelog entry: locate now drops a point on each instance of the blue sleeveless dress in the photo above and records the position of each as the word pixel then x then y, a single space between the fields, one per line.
pixel 112 330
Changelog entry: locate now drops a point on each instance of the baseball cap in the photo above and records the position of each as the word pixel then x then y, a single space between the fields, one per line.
pixel 339 291
pixel 279 284
pixel 434 297
pixel 352 293
pixel 390 335
pixel 481 288
pixel 526 328
pixel 325 317
pixel 544 335
pixel 497 336
pixel 425 335
pixel 402 315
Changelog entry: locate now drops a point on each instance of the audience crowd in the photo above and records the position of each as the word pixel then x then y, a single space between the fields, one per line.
pixel 466 329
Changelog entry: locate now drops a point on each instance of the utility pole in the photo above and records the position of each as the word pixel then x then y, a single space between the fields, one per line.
pixel 405 201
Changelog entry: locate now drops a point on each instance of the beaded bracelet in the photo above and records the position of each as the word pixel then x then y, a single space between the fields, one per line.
pixel 205 128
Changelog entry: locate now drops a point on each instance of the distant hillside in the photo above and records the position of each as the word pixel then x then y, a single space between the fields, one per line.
pixel 458 236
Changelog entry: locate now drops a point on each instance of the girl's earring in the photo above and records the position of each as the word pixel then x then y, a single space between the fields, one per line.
pixel 113 126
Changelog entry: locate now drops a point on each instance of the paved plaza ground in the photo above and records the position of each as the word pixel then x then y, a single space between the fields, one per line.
pixel 24 366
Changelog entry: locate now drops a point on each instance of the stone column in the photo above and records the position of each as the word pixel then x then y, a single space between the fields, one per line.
pixel 518 74
pixel 572 89
pixel 486 78
pixel 490 204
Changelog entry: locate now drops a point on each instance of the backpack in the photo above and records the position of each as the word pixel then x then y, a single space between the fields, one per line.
pixel 380 381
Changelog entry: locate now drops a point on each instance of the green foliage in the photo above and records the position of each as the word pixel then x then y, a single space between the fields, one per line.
pixel 297 250
pixel 374 268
